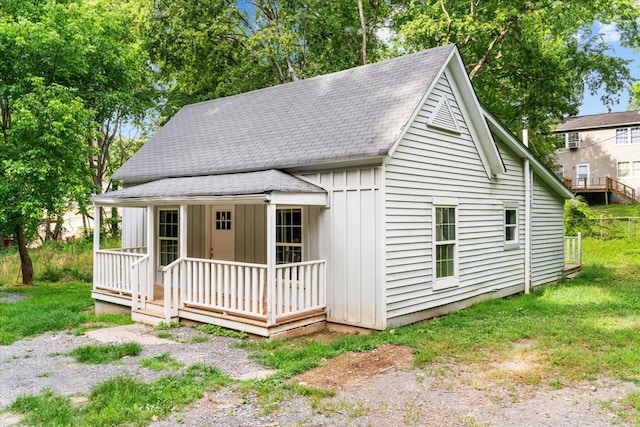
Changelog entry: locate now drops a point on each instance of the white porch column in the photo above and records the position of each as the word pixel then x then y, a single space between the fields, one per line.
pixel 96 245
pixel 271 264
pixel 151 250
pixel 183 231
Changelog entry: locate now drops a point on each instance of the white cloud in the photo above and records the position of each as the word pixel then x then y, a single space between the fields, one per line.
pixel 609 32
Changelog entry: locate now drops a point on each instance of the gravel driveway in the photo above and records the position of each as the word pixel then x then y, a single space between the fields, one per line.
pixel 372 388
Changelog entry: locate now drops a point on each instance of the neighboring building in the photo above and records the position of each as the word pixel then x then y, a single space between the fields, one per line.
pixel 373 197
pixel 601 158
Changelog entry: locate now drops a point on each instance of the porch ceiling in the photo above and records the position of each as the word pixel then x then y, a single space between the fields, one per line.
pixel 250 187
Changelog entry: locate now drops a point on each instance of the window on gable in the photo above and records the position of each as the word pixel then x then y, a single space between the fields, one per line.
pixel 635 135
pixel 624 168
pixel 622 136
pixel 573 140
pixel 445 258
pixel 288 235
pixel 168 244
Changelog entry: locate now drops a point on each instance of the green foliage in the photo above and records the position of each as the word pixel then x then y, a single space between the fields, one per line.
pixel 105 353
pixel 160 362
pixel 578 217
pixel 525 60
pixel 222 332
pixel 164 326
pixel 121 400
pixel 54 261
pixel 49 307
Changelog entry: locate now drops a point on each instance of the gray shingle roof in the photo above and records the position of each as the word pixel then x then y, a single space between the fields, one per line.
pixel 352 114
pixel 595 121
pixel 260 182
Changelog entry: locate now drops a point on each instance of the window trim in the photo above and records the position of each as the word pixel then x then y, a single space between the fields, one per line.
pixel 568 139
pixel 515 243
pixel 160 238
pixel 629 164
pixel 454 280
pixel 290 244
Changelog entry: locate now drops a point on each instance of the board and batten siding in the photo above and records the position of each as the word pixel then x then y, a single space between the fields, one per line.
pixel 350 239
pixel 134 225
pixel 433 163
pixel 547 235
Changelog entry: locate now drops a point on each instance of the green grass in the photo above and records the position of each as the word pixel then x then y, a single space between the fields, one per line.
pixel 618 210
pixel 578 329
pixel 121 400
pixel 105 353
pixel 160 363
pixel 50 307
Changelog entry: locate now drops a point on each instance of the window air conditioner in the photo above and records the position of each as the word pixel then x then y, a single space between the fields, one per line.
pixel 573 145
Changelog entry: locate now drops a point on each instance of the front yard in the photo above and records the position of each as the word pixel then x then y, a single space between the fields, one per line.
pixel 581 331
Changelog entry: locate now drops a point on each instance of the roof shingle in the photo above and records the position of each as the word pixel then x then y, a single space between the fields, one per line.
pixel 596 121
pixel 351 114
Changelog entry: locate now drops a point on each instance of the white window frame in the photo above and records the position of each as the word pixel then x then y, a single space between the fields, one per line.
pixel 622 136
pixel 160 238
pixel 629 169
pixel 572 137
pixel 634 135
pixel 454 280
pixel 515 242
pixel 286 245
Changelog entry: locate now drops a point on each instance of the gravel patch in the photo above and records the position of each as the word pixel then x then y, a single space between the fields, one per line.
pixel 373 388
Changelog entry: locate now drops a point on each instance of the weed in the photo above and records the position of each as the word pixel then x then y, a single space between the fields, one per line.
pixel 121 400
pixel 412 413
pixel 166 335
pixel 222 332
pixel 105 353
pixel 161 362
pixel 164 326
pixel 43 375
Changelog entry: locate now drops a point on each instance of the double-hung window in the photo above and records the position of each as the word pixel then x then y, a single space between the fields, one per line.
pixel 511 230
pixel 445 257
pixel 288 235
pixel 168 243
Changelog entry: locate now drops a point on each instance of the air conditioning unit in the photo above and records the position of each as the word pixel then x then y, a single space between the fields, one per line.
pixel 573 145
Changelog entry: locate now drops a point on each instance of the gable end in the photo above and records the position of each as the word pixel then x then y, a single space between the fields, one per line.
pixel 443 118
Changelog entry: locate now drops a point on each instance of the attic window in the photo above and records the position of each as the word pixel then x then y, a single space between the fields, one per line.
pixel 443 117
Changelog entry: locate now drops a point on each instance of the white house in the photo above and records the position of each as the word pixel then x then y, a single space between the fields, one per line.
pixel 372 197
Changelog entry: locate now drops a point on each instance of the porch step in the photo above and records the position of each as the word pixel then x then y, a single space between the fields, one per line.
pixel 150 317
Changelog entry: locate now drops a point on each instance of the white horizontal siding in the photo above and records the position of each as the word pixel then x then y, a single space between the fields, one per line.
pixel 547 235
pixel 430 163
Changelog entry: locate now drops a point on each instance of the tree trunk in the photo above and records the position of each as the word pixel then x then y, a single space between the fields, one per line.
pixel 25 259
pixel 363 28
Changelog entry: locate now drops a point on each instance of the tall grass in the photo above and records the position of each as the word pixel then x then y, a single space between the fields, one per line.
pixel 52 262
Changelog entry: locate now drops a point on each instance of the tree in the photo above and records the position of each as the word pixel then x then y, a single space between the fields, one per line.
pixel 529 60
pixel 42 156
pixel 67 69
pixel 205 49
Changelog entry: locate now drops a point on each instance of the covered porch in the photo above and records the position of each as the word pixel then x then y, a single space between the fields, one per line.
pixel 239 251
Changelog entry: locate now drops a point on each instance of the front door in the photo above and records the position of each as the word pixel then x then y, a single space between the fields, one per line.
pixel 223 235
pixel 582 175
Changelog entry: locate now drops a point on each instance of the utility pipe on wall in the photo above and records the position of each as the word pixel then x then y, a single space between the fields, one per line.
pixel 527 217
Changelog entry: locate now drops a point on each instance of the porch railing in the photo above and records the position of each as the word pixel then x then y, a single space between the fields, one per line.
pixel 299 287
pixel 241 288
pixel 140 285
pixel 113 268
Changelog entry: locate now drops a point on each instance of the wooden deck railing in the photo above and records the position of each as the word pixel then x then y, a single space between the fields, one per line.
pixel 242 288
pixel 113 268
pixel 608 184
pixel 300 287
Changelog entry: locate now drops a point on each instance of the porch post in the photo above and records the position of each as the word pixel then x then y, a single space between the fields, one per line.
pixel 151 250
pixel 271 263
pixel 96 245
pixel 182 250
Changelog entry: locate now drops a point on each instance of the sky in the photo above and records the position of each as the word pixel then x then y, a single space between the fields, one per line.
pixel 592 103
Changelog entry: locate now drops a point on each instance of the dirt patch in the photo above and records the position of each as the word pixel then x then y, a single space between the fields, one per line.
pixel 351 368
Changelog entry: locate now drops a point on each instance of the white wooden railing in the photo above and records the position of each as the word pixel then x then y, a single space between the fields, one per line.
pixel 573 249
pixel 300 287
pixel 140 286
pixel 113 268
pixel 241 288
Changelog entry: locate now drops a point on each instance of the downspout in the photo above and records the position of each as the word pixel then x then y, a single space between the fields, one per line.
pixel 527 217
